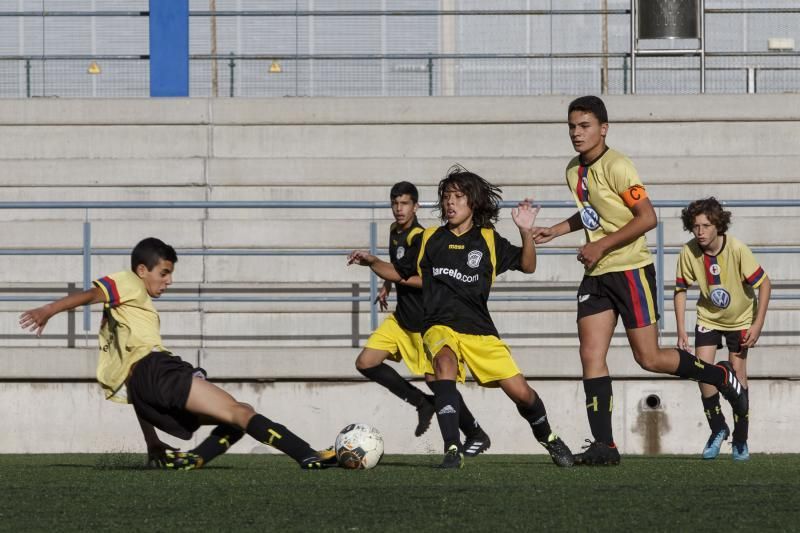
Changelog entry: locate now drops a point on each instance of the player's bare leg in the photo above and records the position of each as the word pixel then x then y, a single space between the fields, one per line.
pixel 448 405
pixel 595 332
pixel 532 409
pixel 206 399
pixel 370 363
pixel 712 408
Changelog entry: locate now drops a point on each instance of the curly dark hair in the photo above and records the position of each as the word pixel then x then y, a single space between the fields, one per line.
pixel 483 197
pixel 709 207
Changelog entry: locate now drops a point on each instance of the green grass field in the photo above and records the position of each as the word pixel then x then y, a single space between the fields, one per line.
pixel 493 492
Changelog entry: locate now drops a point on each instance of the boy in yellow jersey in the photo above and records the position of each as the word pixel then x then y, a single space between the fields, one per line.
pixel 134 367
pixel 727 274
pixel 457 264
pixel 619 278
pixel 399 337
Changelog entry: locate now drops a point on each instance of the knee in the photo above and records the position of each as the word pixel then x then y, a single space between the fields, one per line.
pixel 241 414
pixel 444 364
pixel 646 359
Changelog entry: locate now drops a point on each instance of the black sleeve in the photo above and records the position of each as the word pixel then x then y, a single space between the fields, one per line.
pixel 508 255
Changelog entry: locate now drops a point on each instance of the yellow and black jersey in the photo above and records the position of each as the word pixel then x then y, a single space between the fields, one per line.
pixel 605 190
pixel 726 281
pixel 130 330
pixel 457 274
pixel 403 251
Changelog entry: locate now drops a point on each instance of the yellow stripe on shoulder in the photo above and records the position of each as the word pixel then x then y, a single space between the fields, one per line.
pixel 488 236
pixel 413 233
pixel 426 235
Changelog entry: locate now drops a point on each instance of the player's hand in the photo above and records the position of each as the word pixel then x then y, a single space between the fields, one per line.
pixel 35 320
pixel 683 341
pixel 524 215
pixel 157 454
pixel 381 299
pixel 589 254
pixel 542 235
pixel 751 337
pixel 360 257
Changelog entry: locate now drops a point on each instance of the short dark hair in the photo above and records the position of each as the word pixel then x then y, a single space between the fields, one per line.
pixel 709 207
pixel 483 197
pixel 404 187
pixel 150 251
pixel 590 104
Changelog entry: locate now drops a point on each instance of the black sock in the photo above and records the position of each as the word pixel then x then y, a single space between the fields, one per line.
pixel 448 404
pixel 599 405
pixel 218 442
pixel 741 424
pixel 690 367
pixel 536 415
pixel 713 411
pixel 279 437
pixel 387 376
pixel 466 420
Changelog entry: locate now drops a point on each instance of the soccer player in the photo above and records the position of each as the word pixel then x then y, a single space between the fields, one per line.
pixel 167 393
pixel 458 263
pixel 727 274
pixel 619 278
pixel 399 337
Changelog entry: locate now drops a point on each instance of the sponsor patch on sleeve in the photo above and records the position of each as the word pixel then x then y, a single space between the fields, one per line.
pixel 634 195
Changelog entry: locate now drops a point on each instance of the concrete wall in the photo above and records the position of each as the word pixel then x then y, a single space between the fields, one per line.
pixel 685 147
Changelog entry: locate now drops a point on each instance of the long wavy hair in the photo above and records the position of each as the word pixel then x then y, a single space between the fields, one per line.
pixel 482 197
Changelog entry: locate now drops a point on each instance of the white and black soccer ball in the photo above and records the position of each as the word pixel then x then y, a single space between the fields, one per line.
pixel 359 447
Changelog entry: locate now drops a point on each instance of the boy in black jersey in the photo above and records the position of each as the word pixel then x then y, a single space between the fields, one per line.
pixel 458 263
pixel 619 280
pixel 399 337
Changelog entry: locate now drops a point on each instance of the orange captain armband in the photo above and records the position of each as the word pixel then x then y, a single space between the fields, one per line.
pixel 634 195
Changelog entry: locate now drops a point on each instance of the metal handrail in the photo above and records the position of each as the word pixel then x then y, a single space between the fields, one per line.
pixel 87 251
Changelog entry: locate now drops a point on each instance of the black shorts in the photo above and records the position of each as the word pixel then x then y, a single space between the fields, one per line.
pixel 713 337
pixel 158 389
pixel 631 294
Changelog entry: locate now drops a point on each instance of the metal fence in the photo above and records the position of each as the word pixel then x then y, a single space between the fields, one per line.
pixel 353 293
pixel 96 48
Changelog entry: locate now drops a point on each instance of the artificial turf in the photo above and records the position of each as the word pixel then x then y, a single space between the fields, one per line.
pixel 492 492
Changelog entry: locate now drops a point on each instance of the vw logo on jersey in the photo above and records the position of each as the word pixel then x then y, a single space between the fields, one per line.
pixel 590 218
pixel 474 258
pixel 400 252
pixel 720 298
pixel 714 269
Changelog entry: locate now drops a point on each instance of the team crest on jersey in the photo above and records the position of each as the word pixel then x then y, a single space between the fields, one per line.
pixel 590 218
pixel 721 298
pixel 474 258
pixel 714 269
pixel 400 252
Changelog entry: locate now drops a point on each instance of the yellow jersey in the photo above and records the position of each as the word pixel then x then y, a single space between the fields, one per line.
pixel 130 330
pixel 604 191
pixel 726 281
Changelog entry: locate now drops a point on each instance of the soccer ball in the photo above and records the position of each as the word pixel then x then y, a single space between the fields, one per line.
pixel 359 447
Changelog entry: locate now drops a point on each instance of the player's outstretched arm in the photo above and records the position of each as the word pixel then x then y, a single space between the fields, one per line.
pixel 383 269
pixel 156 450
pixel 680 319
pixel 36 319
pixel 754 332
pixel 542 234
pixel 524 216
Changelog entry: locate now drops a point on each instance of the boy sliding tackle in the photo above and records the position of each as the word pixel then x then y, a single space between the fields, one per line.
pixel 399 337
pixel 166 392
pixel 727 274
pixel 458 263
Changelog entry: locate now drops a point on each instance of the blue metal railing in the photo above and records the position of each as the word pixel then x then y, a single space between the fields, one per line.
pixel 87 252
